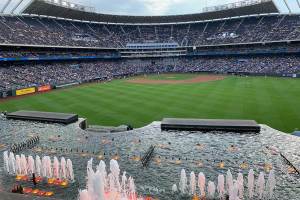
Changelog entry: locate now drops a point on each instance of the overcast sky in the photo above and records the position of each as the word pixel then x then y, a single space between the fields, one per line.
pixel 152 7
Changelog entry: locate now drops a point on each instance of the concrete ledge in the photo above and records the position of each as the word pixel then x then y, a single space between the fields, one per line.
pixel 240 126
pixel 43 116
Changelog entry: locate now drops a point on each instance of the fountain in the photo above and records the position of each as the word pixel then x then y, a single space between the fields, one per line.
pixel 235 188
pixel 47 166
pixel 63 173
pixel 271 184
pixel 251 183
pixel 5 161
pixel 250 150
pixel 84 195
pixel 18 165
pixel 192 183
pixel 102 187
pixel 261 185
pixel 174 188
pixel 12 162
pixel 31 165
pixel 211 188
pixel 183 182
pixel 131 190
pixel 38 165
pixel 201 184
pixel 124 183
pixel 221 186
pixel 229 180
pixel 114 176
pixel 22 166
pixel 56 173
pixel 69 169
pixel 240 182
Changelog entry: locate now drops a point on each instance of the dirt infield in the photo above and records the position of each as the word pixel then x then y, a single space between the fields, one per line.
pixel 198 79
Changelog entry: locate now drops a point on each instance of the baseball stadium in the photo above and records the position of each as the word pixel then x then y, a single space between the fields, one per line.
pixel 169 106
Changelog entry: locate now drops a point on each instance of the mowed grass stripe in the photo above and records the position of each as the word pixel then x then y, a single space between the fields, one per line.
pixel 273 101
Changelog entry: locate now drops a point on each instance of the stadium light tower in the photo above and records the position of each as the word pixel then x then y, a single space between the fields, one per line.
pixel 5 6
pixel 17 5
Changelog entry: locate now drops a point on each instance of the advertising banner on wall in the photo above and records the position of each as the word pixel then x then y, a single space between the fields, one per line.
pixel 25 91
pixel 44 88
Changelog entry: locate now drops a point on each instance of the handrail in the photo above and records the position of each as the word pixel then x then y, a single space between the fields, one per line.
pixel 147 157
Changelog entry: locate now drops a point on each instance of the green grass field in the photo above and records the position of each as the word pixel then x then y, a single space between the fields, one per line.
pixel 272 101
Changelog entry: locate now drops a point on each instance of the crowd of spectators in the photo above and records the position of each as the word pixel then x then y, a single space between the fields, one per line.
pixel 20 76
pixel 35 53
pixel 59 32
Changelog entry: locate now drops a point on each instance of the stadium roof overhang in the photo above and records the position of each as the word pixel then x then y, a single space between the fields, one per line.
pixel 49 8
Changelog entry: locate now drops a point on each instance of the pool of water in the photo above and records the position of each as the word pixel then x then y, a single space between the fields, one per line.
pixel 193 151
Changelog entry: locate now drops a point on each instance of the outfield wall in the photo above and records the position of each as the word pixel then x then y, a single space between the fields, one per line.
pixel 46 88
pixel 25 91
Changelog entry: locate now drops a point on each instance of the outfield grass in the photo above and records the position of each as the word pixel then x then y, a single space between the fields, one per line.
pixel 272 101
